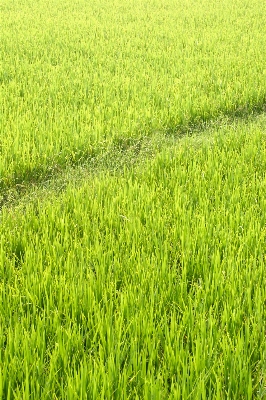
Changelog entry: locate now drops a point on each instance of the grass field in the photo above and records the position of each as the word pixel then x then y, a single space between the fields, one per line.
pixel 78 75
pixel 133 223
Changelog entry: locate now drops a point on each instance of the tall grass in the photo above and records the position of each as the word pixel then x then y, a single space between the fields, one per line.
pixel 149 284
pixel 77 75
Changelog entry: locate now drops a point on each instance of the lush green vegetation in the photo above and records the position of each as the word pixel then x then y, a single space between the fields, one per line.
pixel 139 274
pixel 146 284
pixel 76 75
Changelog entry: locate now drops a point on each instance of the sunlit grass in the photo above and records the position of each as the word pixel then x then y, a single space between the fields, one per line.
pixel 144 284
pixel 76 75
pixel 139 274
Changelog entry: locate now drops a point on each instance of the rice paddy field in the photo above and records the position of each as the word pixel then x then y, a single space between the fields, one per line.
pixel 132 196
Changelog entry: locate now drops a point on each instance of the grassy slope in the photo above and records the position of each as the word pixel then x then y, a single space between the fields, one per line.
pixel 145 284
pixel 76 75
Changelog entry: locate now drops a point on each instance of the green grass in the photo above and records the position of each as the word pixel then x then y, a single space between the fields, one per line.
pixel 132 196
pixel 77 76
pixel 146 283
